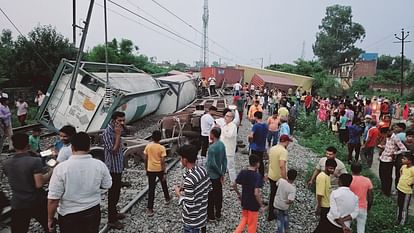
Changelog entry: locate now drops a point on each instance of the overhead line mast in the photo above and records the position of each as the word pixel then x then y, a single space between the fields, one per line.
pixel 205 36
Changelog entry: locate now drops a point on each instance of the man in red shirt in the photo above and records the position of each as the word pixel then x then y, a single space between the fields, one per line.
pixel 308 103
pixel 370 143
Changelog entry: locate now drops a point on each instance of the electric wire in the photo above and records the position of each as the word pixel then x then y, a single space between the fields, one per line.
pixel 167 30
pixel 21 34
pixel 195 29
pixel 146 27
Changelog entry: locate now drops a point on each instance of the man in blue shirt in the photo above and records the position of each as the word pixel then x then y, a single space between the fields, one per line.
pixel 257 139
pixel 114 160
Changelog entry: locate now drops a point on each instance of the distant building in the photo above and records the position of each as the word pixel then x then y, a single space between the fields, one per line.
pixel 365 66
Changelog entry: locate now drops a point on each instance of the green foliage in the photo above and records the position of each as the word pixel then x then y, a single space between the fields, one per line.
pixel 381 217
pixel 300 66
pixel 124 52
pixel 337 36
pixel 32 60
pixel 326 85
pixel 361 85
pixel 31 114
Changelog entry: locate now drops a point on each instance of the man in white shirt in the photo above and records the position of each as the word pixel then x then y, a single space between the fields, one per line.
pixel 206 123
pixel 75 190
pixel 343 208
pixel 212 84
pixel 229 138
pixel 236 88
pixel 22 108
pixel 340 168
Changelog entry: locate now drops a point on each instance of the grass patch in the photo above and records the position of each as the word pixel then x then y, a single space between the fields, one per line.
pixel 382 216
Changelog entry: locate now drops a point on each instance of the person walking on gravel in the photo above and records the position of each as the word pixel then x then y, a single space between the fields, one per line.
pixel 362 187
pixel 114 160
pixel 251 198
pixel 75 189
pixel 193 194
pixel 285 196
pixel 206 124
pixel 155 154
pixel 229 138
pixel 278 157
pixel 216 167
pixel 257 139
pixel 340 168
pixel 323 192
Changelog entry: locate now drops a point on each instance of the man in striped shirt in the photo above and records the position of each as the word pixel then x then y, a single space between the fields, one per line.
pixel 193 194
pixel 114 160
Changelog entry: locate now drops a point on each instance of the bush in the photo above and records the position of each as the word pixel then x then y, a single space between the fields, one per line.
pixel 382 216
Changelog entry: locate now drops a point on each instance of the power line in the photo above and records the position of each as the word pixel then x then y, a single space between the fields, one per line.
pixel 155 24
pixel 167 30
pixel 146 27
pixel 192 27
pixel 21 34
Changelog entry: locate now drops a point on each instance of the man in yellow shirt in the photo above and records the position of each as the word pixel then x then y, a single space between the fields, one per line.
pixel 323 192
pixel 155 154
pixel 405 187
pixel 253 109
pixel 283 111
pixel 278 156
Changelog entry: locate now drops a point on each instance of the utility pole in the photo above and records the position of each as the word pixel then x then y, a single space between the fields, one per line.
pixel 205 36
pixel 262 62
pixel 74 23
pixel 402 41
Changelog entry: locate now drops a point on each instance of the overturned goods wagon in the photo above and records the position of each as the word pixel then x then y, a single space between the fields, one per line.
pixel 186 122
pixel 96 96
pixel 182 92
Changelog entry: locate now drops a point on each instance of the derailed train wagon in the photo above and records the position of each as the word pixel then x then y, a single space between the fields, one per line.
pixel 95 99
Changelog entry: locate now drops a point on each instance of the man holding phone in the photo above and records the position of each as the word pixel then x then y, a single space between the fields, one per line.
pixel 114 160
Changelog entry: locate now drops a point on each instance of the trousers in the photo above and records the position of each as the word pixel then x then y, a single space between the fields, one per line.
pixel 113 196
pixel 249 218
pixel 86 221
pixel 215 200
pixel 152 176
pixel 385 174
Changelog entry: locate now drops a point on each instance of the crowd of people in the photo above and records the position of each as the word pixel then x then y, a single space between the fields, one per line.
pixel 76 182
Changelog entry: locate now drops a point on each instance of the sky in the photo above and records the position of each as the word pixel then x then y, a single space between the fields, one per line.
pixel 240 31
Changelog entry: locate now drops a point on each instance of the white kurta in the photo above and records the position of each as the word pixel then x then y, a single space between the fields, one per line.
pixel 229 138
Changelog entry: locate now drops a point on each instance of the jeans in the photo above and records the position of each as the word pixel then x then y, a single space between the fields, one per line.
pixel 204 145
pixel 361 220
pixel 21 217
pixel 282 220
pixel 273 190
pixel 86 221
pixel 260 155
pixel 272 137
pixel 385 174
pixel 368 153
pixel 354 147
pixel 215 199
pixel 188 229
pixel 113 197
pixel 250 218
pixel 151 189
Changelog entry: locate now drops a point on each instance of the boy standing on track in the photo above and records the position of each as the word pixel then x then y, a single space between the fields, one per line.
pixel 155 154
pixel 251 199
pixel 193 195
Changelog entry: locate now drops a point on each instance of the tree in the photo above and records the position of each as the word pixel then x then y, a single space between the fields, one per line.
pixel 336 39
pixel 124 52
pixel 38 56
pixel 300 66
pixel 7 55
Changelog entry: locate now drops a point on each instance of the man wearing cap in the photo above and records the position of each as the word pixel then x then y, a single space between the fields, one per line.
pixel 278 156
pixel 5 121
